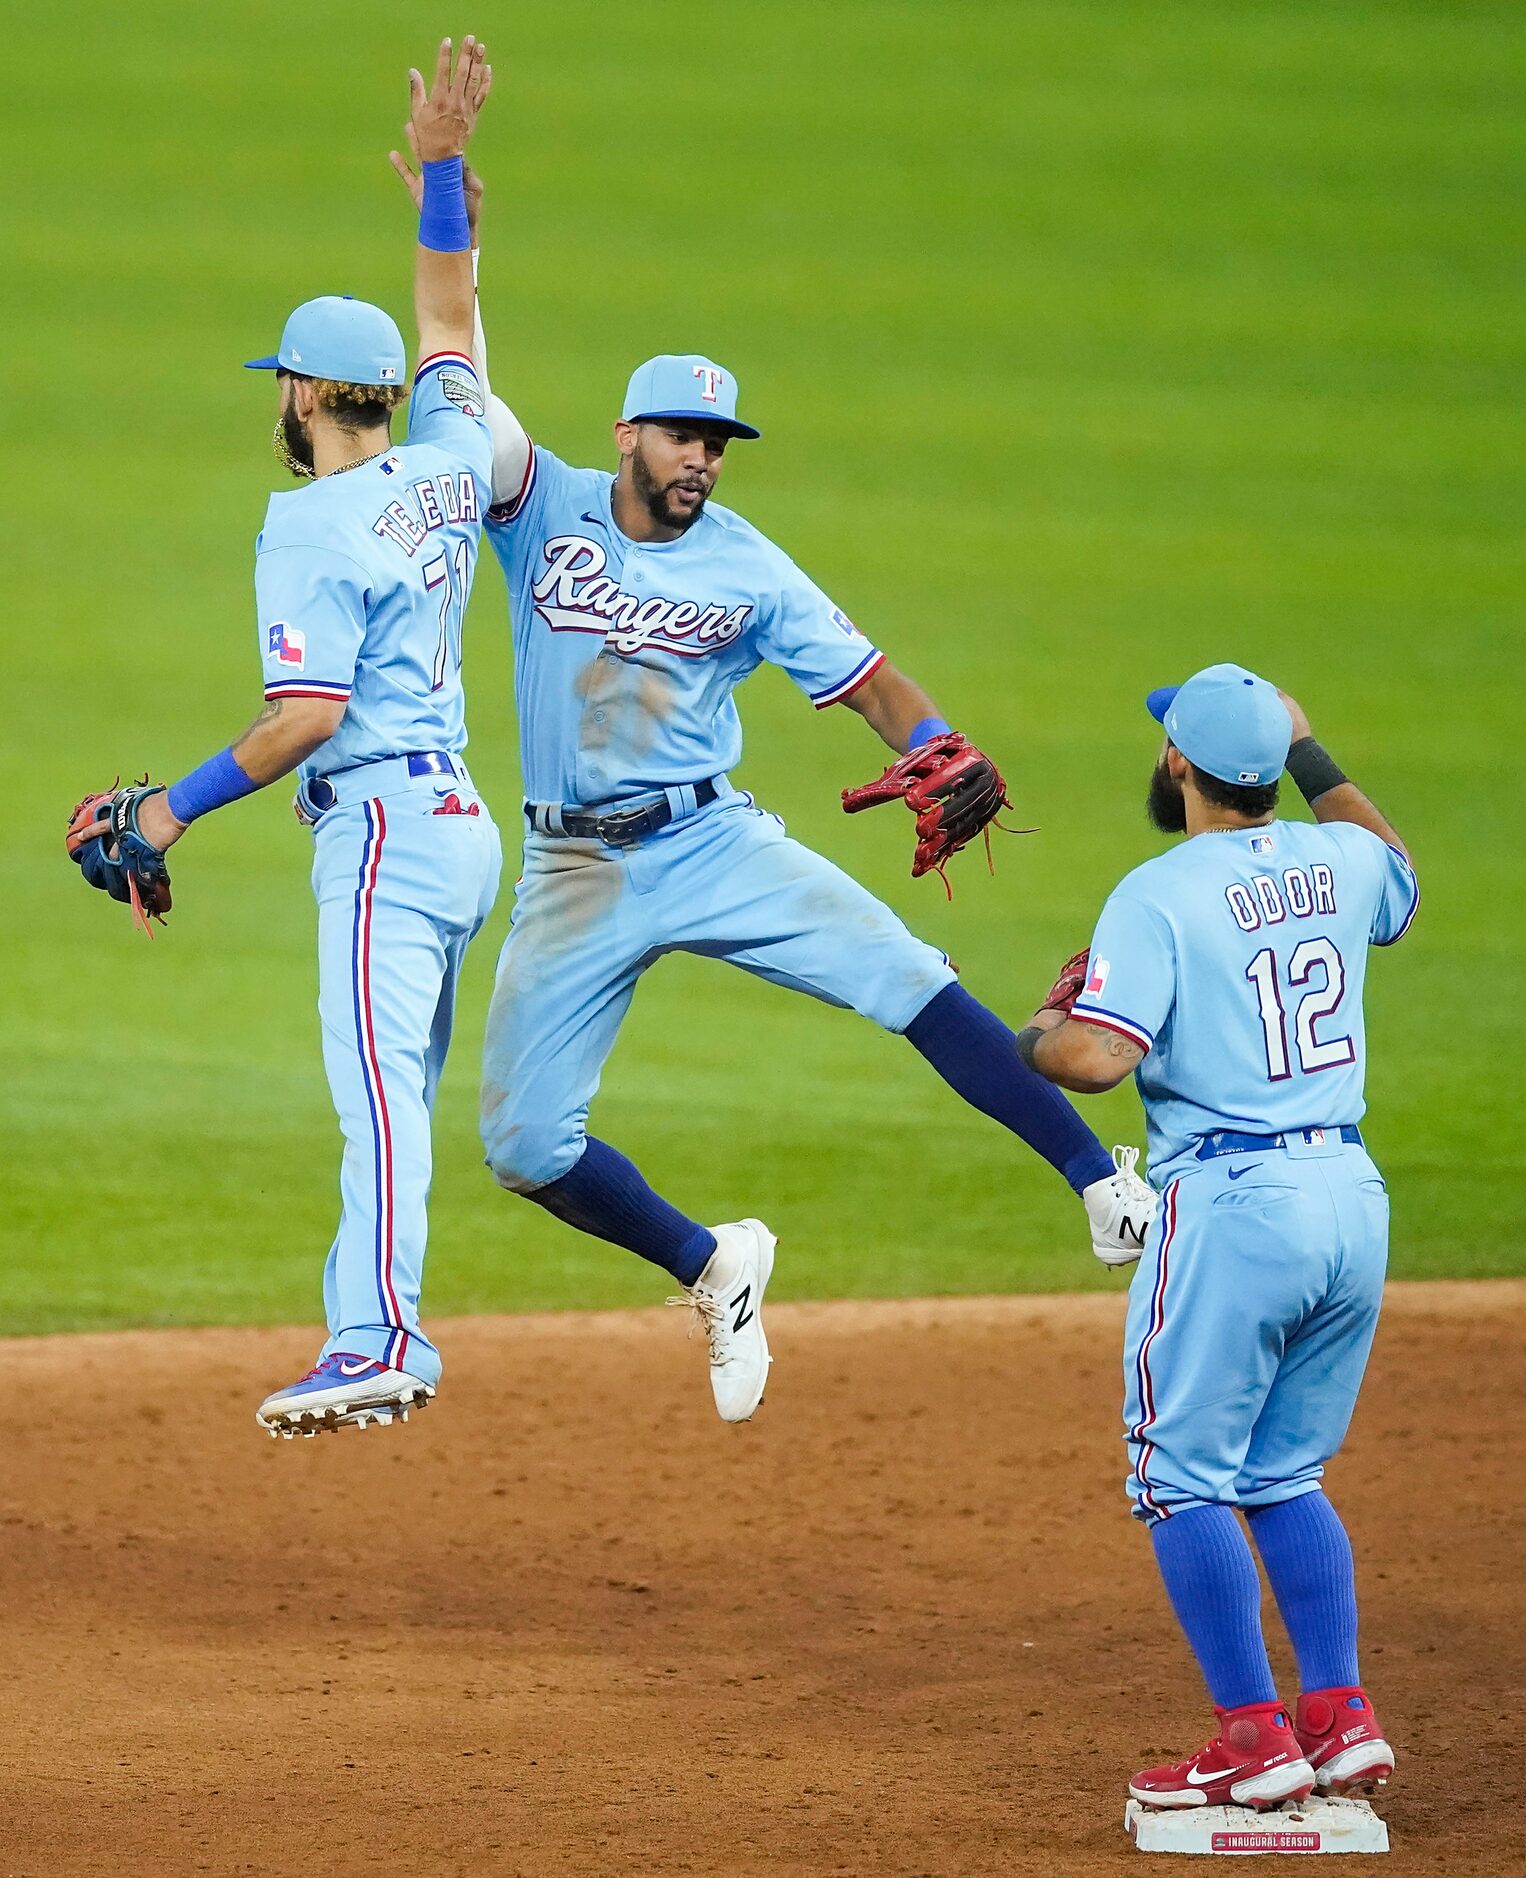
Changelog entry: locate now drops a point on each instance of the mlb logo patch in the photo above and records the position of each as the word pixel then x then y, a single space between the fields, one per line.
pixel 387 372
pixel 390 466
pixel 843 624
pixel 1097 977
pixel 1261 844
pixel 288 644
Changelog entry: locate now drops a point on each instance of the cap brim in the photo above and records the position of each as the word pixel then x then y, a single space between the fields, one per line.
pixel 733 426
pixel 1159 701
pixel 272 364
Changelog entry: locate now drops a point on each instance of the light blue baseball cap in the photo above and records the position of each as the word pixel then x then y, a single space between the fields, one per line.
pixel 1227 721
pixel 683 384
pixel 341 338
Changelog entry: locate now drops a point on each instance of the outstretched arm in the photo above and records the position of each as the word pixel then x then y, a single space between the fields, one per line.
pixel 511 444
pixel 1081 1057
pixel 285 732
pixel 440 123
pixel 896 709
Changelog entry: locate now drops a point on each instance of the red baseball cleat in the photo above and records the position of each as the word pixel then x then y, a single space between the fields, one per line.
pixel 1342 1740
pixel 1254 1760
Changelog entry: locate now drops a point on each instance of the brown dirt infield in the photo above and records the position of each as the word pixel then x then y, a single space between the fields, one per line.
pixel 565 1622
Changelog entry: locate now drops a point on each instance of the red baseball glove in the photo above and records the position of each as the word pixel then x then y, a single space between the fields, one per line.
pixel 955 791
pixel 1069 985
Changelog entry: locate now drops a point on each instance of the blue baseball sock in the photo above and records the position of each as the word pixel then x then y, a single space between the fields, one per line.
pixel 975 1054
pixel 604 1194
pixel 1307 1556
pixel 1211 1581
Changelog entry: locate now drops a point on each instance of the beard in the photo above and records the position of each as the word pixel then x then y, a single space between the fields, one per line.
pixel 1165 804
pixel 655 495
pixel 293 444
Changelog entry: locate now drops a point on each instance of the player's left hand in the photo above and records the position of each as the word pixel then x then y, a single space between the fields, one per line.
pixel 444 117
pixel 116 852
pixel 955 791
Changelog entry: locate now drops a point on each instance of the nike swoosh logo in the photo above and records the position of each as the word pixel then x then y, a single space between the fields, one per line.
pixel 1195 1779
pixel 1236 1172
pixel 597 520
pixel 359 1369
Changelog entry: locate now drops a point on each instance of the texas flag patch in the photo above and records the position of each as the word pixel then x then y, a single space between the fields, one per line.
pixel 843 624
pixel 1097 977
pixel 288 644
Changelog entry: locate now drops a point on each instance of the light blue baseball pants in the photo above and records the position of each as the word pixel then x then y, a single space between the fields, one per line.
pixel 403 884
pixel 589 919
pixel 1251 1315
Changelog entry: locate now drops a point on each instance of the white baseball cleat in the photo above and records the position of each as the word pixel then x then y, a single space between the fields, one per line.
pixel 727 1300
pixel 1121 1208
pixel 342 1391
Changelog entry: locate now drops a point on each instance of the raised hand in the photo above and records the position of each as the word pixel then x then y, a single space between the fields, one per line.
pixel 413 182
pixel 443 118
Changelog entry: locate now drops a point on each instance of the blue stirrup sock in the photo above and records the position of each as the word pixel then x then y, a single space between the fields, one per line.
pixel 1307 1556
pixel 1211 1580
pixel 976 1055
pixel 605 1194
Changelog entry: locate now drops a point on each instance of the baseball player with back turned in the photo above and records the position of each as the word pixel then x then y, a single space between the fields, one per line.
pixel 360 582
pixel 1227 974
pixel 638 606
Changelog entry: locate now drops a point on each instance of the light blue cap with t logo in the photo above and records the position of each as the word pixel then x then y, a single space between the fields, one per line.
pixel 683 384
pixel 338 337
pixel 1228 722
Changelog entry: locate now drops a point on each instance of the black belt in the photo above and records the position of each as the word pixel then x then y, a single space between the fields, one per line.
pixel 620 828
pixel 1226 1142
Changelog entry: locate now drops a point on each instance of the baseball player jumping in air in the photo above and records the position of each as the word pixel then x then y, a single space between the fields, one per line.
pixel 360 585
pixel 638 606
pixel 1228 976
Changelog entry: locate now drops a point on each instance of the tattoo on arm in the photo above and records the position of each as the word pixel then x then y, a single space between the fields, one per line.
pixel 272 710
pixel 1122 1047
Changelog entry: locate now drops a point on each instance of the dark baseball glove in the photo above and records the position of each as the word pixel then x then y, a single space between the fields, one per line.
pixel 1069 985
pixel 955 791
pixel 106 845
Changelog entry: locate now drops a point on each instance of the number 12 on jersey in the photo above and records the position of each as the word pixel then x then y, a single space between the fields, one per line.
pixel 1312 1051
pixel 437 575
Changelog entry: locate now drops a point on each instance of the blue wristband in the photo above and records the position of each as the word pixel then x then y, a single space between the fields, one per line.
pixel 212 785
pixel 442 220
pixel 929 727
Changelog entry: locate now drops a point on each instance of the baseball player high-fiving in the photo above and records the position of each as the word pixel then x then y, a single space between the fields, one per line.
pixel 1228 976
pixel 638 606
pixel 361 580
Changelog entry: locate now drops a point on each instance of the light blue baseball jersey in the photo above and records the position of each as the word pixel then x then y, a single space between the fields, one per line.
pixel 361 579
pixel 1237 962
pixel 626 653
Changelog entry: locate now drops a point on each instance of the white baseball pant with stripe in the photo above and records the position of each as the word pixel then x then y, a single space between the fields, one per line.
pixel 403 880
pixel 1251 1315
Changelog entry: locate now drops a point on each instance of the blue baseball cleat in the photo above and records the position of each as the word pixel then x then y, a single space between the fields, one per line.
pixel 342 1391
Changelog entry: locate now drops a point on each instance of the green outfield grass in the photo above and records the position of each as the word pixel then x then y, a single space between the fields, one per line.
pixel 1091 342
